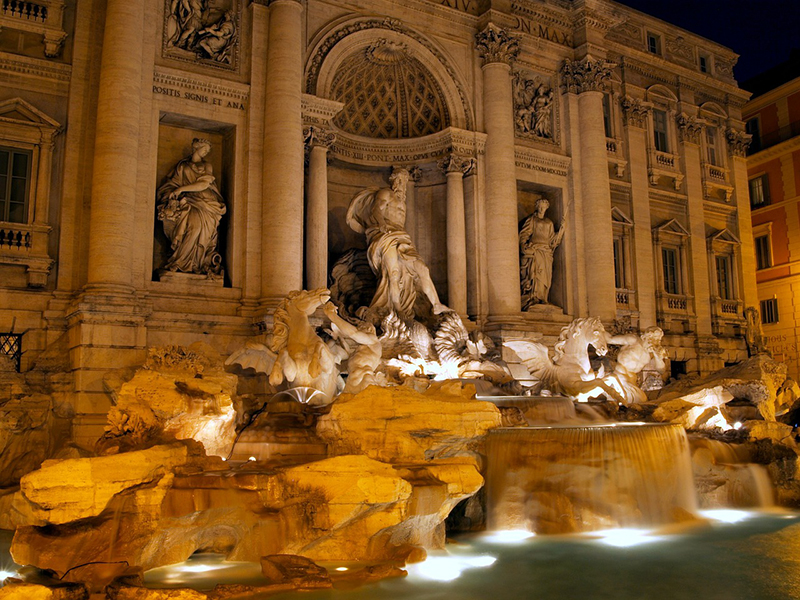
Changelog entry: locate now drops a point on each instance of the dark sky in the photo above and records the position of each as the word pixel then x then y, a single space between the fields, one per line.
pixel 762 32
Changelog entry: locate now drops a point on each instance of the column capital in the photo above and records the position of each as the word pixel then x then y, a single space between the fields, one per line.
pixel 738 142
pixel 496 45
pixel 414 174
pixel 585 75
pixel 689 128
pixel 453 163
pixel 635 111
pixel 314 136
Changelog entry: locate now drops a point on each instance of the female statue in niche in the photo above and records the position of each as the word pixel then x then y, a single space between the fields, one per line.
pixel 190 206
pixel 537 242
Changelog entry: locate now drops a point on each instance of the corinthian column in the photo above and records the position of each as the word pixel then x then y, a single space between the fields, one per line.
pixel 587 79
pixel 498 50
pixel 317 141
pixel 455 167
pixel 116 139
pixel 282 201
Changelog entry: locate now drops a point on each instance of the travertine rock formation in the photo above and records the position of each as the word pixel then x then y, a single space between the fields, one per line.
pixel 180 393
pixel 399 425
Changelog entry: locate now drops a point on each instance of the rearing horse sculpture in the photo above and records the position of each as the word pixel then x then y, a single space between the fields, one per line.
pixel 570 371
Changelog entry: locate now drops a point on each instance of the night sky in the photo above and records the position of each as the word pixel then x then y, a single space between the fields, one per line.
pixel 762 32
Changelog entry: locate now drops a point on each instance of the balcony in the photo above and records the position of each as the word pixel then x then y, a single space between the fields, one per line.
pixel 664 164
pixel 716 182
pixel 43 17
pixel 772 138
pixel 26 246
pixel 674 312
pixel 726 316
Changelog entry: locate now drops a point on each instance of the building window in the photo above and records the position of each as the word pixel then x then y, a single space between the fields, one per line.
pixel 724 287
pixel 711 146
pixel 653 43
pixel 753 127
pixel 660 130
pixel 607 115
pixel 15 176
pixel 619 263
pixel 705 64
pixel 763 254
pixel 769 311
pixel 669 258
pixel 11 347
pixel 759 191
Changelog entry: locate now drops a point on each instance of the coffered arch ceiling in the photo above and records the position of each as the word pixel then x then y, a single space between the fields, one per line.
pixel 393 82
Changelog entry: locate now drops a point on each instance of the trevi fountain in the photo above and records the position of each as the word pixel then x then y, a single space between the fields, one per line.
pixel 373 445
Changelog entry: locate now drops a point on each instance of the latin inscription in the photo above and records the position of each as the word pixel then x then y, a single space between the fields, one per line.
pixel 201 98
pixel 467 6
pixel 543 31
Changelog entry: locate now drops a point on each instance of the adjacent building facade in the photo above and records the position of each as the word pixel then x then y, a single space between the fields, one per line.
pixel 630 128
pixel 773 167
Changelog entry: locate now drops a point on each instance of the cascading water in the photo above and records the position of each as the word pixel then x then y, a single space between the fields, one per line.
pixel 563 479
pixel 538 409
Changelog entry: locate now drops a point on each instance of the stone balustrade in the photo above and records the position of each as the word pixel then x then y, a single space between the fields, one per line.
pixel 44 17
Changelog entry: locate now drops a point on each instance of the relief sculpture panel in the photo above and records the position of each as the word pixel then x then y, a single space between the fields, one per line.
pixel 202 31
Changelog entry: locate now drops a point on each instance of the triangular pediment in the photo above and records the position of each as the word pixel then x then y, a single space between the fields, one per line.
pixel 620 218
pixel 671 227
pixel 724 236
pixel 24 113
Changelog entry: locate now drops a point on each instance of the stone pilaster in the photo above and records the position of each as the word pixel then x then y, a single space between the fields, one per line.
pixel 455 168
pixel 738 142
pixel 498 50
pixel 317 141
pixel 414 174
pixel 282 208
pixel 587 78
pixel 635 113
pixel 698 273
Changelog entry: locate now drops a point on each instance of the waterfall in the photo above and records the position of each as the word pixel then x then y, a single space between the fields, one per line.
pixel 563 479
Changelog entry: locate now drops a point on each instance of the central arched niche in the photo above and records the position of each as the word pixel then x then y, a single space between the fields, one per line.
pixel 399 92
pixel 388 93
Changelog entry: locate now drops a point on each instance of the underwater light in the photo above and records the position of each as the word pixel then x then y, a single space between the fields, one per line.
pixel 625 538
pixel 726 515
pixel 508 536
pixel 252 459
pixel 737 425
pixel 342 569
pixel 448 568
pixel 201 568
pixel 6 574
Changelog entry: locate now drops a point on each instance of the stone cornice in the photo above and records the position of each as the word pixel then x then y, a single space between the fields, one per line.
pixel 319 111
pixel 201 83
pixel 496 45
pixel 773 152
pixel 378 152
pixel 585 75
pixel 544 162
pixel 543 14
pixel 12 64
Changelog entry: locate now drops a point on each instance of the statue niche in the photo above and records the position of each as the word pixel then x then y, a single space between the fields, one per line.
pixel 537 243
pixel 190 207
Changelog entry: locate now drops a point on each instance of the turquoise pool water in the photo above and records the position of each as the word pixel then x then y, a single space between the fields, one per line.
pixel 755 558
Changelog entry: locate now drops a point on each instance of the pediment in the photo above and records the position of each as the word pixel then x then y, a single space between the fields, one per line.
pixel 620 218
pixel 724 236
pixel 24 113
pixel 672 227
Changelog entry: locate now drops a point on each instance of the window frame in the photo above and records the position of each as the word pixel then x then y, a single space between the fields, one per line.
pixel 763 178
pixel 655 47
pixel 763 258
pixel 755 132
pixel 676 277
pixel 769 311
pixel 5 194
pixel 664 133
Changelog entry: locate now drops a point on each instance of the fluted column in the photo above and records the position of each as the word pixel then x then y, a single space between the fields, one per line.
pixel 498 50
pixel 455 167
pixel 116 142
pixel 587 79
pixel 282 244
pixel 317 141
pixel 414 174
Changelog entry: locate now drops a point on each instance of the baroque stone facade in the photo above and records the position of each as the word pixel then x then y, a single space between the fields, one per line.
pixel 489 107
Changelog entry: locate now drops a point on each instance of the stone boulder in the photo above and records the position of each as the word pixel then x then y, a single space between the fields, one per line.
pixel 703 409
pixel 399 425
pixel 31 591
pixel 179 393
pixel 760 380
pixel 288 568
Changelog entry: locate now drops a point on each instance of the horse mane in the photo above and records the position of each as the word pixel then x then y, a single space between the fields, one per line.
pixel 280 322
pixel 570 331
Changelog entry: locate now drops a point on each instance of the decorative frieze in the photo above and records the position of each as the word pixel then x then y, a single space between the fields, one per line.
pixel 533 107
pixel 585 75
pixel 689 128
pixel 179 85
pixel 678 49
pixel 199 34
pixel 532 159
pixel 634 112
pixel 738 142
pixel 495 45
